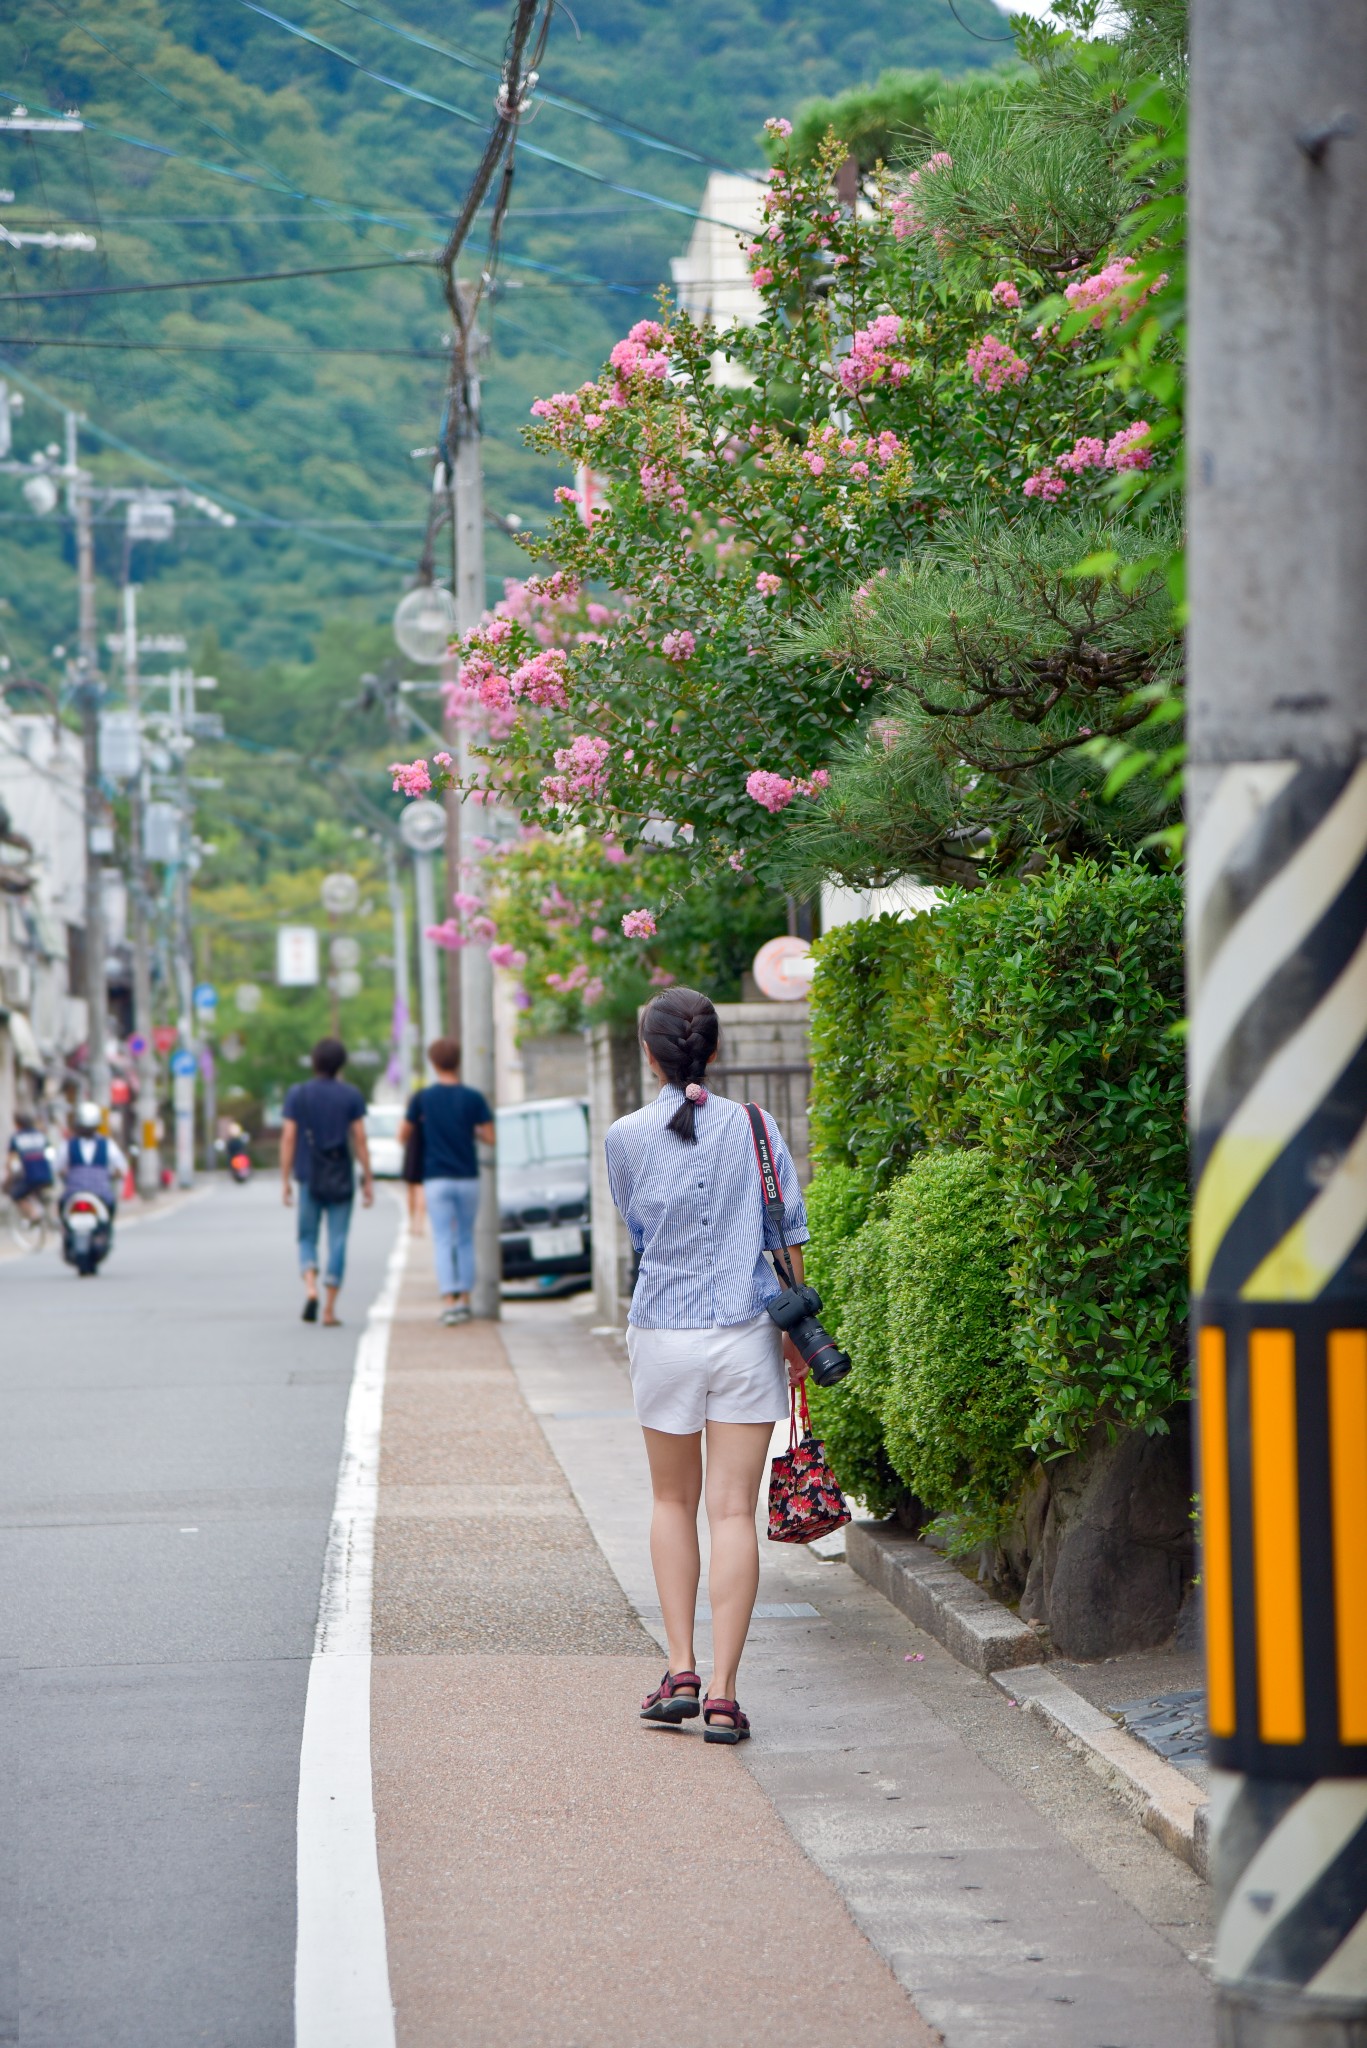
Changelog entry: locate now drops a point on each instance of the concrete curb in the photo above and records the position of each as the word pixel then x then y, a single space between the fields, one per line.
pixel 988 1638
pixel 1162 1797
pixel 973 1626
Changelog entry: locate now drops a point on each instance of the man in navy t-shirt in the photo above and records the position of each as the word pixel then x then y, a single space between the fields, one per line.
pixel 450 1117
pixel 324 1123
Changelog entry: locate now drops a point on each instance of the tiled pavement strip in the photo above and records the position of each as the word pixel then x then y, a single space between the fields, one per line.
pixel 556 1874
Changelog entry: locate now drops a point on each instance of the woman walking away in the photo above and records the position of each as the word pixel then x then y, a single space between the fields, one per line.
pixel 449 1117
pixel 705 1357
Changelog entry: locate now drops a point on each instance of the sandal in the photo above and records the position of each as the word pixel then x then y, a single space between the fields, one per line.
pixel 668 1704
pixel 311 1308
pixel 729 1710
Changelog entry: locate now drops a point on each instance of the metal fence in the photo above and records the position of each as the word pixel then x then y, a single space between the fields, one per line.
pixel 781 1089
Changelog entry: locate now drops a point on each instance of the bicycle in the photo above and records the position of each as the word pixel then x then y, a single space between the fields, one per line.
pixel 31 1218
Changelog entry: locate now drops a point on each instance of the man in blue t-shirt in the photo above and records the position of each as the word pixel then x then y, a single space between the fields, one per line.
pixel 324 1123
pixel 449 1116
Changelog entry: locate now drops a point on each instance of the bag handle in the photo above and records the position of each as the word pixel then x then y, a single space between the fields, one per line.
pixel 798 1411
pixel 773 1194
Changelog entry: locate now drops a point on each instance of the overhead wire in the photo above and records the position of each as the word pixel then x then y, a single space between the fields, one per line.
pixel 583 109
pixel 553 270
pixel 412 92
pixel 975 31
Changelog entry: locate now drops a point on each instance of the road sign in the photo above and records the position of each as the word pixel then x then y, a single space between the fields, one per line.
pixel 184 1062
pixel 137 1045
pixel 347 983
pixel 345 952
pixel 783 969
pixel 164 1037
pixel 247 996
pixel 205 996
pixel 340 893
pixel 422 826
pixel 296 956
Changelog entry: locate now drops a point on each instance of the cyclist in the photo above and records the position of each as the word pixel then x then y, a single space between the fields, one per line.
pixel 29 1158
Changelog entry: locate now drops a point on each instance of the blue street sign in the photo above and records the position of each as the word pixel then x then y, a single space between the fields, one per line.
pixel 184 1063
pixel 206 996
pixel 137 1045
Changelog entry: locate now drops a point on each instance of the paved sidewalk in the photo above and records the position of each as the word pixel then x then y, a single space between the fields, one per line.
pixel 556 1875
pixel 899 1854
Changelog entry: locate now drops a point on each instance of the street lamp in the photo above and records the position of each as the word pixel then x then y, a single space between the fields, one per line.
pixel 425 623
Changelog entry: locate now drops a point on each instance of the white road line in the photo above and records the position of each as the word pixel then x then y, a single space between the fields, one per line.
pixel 341 1970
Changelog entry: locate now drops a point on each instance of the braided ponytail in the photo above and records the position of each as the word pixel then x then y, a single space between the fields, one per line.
pixel 680 1030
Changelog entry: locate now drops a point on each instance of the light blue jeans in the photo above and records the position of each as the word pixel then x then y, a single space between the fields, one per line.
pixel 452 1206
pixel 311 1215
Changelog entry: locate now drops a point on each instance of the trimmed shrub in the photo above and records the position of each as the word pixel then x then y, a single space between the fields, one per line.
pixel 956 1403
pixel 849 1415
pixel 1034 1021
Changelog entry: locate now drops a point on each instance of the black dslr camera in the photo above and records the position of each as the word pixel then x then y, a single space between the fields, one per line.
pixel 795 1311
pixel 795 1308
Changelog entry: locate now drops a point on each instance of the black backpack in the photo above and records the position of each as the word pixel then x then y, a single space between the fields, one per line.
pixel 330 1172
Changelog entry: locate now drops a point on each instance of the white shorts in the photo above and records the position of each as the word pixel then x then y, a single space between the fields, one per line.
pixel 733 1372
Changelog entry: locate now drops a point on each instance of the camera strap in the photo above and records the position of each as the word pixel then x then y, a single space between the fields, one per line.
pixel 773 1193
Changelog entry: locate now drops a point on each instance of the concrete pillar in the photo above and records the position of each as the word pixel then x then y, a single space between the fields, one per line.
pixel 614 1090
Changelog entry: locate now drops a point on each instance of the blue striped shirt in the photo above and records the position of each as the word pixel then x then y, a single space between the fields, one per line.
pixel 695 1213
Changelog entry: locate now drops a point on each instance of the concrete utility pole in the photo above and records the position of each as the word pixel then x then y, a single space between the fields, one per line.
pixel 90 695
pixel 149 1158
pixel 403 1017
pixel 476 971
pixel 1277 925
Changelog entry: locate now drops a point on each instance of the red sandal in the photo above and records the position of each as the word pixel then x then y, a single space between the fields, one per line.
pixel 739 1731
pixel 668 1704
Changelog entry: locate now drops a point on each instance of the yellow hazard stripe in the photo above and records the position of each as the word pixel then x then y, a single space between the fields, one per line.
pixel 1216 1548
pixel 1348 1488
pixel 1276 1535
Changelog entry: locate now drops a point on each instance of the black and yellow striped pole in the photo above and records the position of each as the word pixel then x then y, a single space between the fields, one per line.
pixel 1277 938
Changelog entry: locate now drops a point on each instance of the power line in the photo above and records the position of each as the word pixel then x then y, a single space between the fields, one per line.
pixel 332 207
pixel 225 348
pixel 427 99
pixel 975 31
pixel 582 108
pixel 196 284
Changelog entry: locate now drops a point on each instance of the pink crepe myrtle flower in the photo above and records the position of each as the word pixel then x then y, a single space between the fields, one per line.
pixel 813 784
pixel 678 646
pixel 442 760
pixel 871 355
pixel 641 353
pixel 411 778
pixel 1112 289
pixel 481 675
pixel 594 990
pixel 600 935
pixel 1123 451
pixel 484 928
pixel 777 125
pixel 1006 295
pixel 1087 452
pixel 657 486
pixel 995 364
pixel 775 792
pixel 638 924
pixel 505 956
pixel 614 855
pixel 541 679
pixel 660 977
pixel 448 936
pixel 767 584
pixel 761 276
pixel 816 463
pixel 736 860
pixel 581 770
pixel 1045 484
pixel 906 220
pixel 467 905
pixel 859 469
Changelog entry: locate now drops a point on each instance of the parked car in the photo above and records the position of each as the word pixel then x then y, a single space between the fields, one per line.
pixel 543 1190
pixel 382 1121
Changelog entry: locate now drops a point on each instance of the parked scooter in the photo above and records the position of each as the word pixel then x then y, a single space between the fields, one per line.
pixel 87 1232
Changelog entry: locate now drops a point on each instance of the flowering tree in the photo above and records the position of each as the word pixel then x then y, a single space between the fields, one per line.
pixel 901 381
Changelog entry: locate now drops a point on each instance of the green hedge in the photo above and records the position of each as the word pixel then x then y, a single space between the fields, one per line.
pixel 1035 1022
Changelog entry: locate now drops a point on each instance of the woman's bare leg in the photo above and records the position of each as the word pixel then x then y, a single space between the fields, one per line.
pixel 736 1452
pixel 676 1480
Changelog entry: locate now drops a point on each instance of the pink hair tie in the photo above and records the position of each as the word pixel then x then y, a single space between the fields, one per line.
pixel 696 1092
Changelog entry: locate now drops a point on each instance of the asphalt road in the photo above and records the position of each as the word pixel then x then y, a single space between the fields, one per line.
pixel 172 1431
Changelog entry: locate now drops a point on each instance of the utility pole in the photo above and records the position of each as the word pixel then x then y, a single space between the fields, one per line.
pixel 478 1068
pixel 98 838
pixel 402 1026
pixel 149 1158
pixel 1277 925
